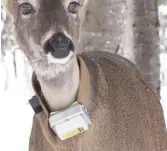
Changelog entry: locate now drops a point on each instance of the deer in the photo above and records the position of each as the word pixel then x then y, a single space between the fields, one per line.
pixel 125 113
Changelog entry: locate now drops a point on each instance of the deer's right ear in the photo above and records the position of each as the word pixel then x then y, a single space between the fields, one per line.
pixel 10 6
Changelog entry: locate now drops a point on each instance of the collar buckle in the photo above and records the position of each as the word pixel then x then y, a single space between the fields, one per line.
pixel 35 105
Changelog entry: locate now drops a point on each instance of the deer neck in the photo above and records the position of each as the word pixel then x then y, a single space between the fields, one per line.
pixel 60 91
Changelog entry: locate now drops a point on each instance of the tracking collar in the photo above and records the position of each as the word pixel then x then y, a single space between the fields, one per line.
pixel 41 109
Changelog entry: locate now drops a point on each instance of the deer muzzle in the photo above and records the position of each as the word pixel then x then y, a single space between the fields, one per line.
pixel 59 45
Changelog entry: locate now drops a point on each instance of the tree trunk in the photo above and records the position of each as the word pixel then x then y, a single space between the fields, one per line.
pixel 144 40
pixel 102 25
pixel 128 28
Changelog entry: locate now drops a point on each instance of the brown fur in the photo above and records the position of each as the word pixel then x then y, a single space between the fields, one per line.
pixel 128 115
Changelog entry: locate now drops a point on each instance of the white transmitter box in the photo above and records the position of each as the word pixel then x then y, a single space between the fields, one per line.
pixel 70 122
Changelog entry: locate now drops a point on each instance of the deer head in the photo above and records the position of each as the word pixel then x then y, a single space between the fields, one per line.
pixel 47 31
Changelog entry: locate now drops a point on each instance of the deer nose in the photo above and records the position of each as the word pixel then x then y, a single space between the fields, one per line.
pixel 59 45
pixel 59 41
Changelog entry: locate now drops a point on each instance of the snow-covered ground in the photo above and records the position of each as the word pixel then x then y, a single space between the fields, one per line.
pixel 15 112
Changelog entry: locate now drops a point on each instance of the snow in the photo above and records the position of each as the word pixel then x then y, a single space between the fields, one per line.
pixel 15 112
pixel 163 61
pixel 162 11
pixel 17 119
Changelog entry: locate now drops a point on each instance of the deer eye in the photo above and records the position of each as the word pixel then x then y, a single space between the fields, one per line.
pixel 73 7
pixel 26 9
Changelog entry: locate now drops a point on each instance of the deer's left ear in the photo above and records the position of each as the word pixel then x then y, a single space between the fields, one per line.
pixel 82 4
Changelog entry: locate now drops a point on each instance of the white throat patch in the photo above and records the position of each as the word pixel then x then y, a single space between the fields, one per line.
pixel 65 60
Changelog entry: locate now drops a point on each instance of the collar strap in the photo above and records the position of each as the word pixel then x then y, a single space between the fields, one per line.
pixel 38 102
pixel 42 112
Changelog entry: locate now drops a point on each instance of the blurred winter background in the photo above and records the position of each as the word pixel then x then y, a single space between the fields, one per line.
pixel 15 90
pixel 15 84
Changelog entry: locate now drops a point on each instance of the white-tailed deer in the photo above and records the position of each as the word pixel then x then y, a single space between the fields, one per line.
pixel 125 113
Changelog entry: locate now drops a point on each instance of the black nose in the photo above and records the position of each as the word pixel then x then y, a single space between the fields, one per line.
pixel 59 41
pixel 59 45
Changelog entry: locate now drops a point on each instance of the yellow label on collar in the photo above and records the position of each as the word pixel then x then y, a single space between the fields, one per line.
pixel 73 132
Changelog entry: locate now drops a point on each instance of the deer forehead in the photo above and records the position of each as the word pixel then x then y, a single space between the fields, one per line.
pixel 37 3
